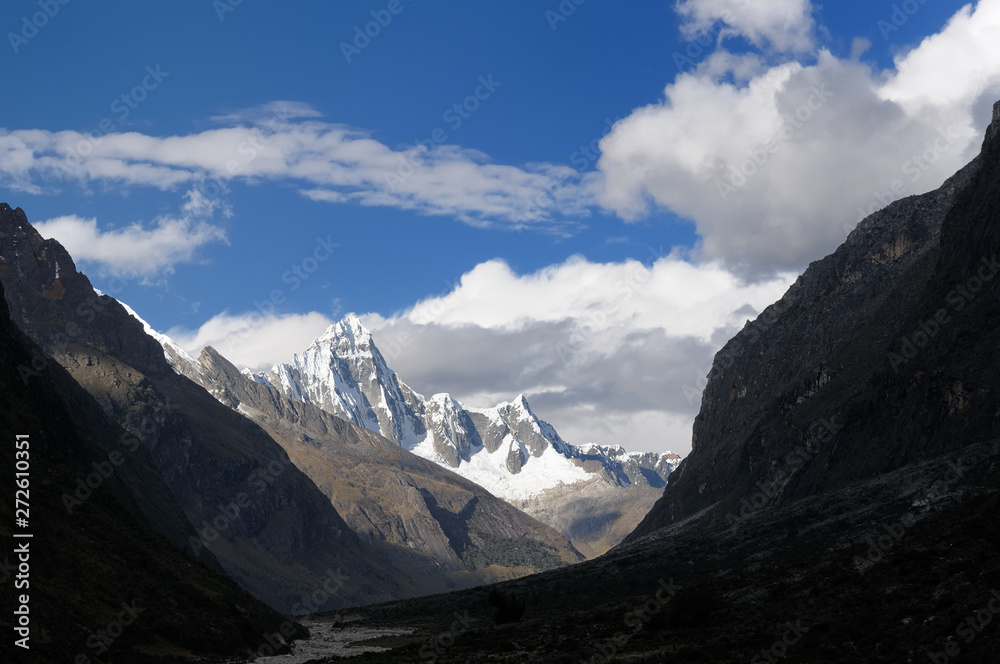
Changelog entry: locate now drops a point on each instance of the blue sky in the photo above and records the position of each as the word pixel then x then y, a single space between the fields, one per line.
pixel 510 260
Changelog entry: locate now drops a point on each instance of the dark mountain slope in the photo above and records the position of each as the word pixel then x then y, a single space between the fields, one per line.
pixel 879 356
pixel 820 580
pixel 92 550
pixel 268 525
pixel 447 530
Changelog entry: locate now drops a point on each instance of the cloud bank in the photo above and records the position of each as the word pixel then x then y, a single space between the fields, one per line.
pixel 776 163
pixel 607 352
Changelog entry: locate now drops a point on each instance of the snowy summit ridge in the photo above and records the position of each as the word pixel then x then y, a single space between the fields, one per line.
pixel 506 449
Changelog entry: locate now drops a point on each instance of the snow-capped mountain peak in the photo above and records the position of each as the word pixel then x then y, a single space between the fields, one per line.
pixel 344 373
pixel 505 448
pixel 350 330
pixel 593 494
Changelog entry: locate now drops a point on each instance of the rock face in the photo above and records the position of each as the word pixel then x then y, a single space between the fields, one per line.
pixel 881 355
pixel 446 531
pixel 106 531
pixel 506 449
pixel 264 521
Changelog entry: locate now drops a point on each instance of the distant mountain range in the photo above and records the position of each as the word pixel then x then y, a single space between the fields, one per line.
pixel 593 494
pixel 276 493
pixel 506 449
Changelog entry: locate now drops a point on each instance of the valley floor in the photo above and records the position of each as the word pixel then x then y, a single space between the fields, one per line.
pixel 333 636
pixel 902 568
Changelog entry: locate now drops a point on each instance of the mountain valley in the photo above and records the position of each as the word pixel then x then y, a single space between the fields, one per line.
pixel 840 503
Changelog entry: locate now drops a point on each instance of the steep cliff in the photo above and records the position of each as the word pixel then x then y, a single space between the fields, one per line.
pixel 881 355
pixel 101 582
pixel 265 522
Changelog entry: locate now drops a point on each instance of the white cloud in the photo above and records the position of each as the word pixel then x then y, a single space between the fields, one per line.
pixel 693 152
pixel 332 162
pixel 784 25
pixel 606 352
pixel 775 170
pixel 615 298
pixel 252 339
pixel 138 250
pixel 955 72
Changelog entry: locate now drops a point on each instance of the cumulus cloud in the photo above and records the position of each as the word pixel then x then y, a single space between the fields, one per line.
pixel 783 25
pixel 667 293
pixel 775 169
pixel 954 73
pixel 139 250
pixel 606 352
